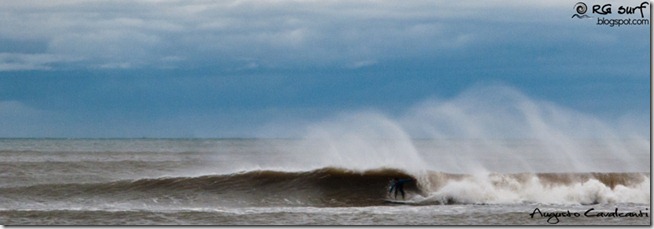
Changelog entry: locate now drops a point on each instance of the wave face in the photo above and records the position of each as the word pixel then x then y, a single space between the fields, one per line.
pixel 337 187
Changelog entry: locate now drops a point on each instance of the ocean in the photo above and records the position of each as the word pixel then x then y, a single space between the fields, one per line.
pixel 316 182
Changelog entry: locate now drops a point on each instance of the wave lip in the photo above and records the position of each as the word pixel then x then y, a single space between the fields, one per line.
pixel 338 187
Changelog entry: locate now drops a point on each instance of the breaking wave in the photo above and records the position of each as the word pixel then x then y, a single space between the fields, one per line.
pixel 338 187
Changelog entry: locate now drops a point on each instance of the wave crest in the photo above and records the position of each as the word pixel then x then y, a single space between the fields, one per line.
pixel 338 187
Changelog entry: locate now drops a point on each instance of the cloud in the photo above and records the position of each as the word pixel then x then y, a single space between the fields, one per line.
pixel 123 65
pixel 362 64
pixel 23 61
pixel 278 33
pixel 257 55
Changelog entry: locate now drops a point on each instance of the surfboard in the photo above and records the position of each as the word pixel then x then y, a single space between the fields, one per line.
pixel 399 201
pixel 411 199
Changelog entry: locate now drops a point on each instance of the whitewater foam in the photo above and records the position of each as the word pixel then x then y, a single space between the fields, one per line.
pixel 518 189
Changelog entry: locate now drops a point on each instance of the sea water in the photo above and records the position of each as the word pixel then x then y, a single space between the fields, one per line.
pixel 318 181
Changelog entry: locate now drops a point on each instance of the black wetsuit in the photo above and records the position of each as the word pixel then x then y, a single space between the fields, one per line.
pixel 398 186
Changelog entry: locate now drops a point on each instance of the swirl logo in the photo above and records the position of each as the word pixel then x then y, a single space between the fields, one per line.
pixel 581 9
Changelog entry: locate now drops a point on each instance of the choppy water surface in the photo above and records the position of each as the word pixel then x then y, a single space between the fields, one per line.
pixel 250 181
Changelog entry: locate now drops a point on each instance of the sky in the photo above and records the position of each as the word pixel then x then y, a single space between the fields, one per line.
pixel 196 69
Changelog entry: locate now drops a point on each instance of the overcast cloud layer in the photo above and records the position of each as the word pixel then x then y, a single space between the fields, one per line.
pixel 236 35
pixel 230 68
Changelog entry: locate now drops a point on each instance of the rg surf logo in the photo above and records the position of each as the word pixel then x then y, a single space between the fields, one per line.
pixel 604 12
pixel 605 9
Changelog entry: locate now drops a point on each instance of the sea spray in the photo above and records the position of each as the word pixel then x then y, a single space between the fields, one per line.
pixel 494 121
pixel 486 128
pixel 362 141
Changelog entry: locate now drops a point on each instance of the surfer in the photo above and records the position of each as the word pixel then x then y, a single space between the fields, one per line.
pixel 397 185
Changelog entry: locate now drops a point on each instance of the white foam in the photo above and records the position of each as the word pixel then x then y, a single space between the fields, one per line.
pixel 504 189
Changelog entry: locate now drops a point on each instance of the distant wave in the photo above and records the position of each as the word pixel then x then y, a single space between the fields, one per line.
pixel 339 187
